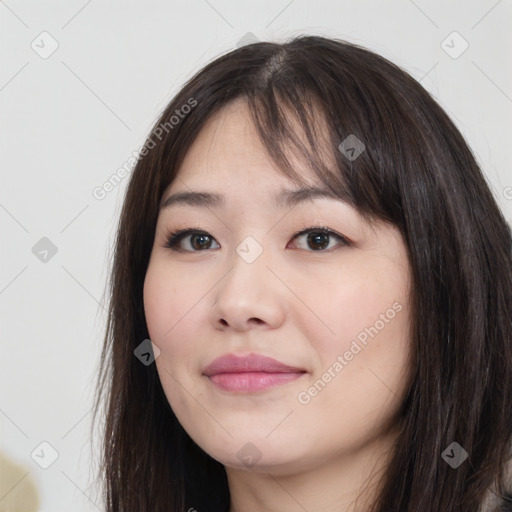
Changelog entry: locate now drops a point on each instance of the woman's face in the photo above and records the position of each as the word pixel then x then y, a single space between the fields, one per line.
pixel 334 310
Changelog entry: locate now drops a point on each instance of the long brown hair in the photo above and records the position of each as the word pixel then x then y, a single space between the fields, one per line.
pixel 416 172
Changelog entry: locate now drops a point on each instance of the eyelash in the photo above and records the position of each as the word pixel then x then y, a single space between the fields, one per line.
pixel 174 237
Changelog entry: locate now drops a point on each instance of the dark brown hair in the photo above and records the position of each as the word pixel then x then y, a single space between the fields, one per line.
pixel 416 172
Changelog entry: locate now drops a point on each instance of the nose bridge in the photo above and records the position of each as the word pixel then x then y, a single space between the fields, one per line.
pixel 249 289
pixel 248 265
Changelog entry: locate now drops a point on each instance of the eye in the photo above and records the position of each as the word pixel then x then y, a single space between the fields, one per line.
pixel 199 240
pixel 317 237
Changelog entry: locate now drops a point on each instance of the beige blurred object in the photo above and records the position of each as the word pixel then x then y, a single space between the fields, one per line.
pixel 18 492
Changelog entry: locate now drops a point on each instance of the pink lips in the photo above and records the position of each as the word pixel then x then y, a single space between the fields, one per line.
pixel 251 373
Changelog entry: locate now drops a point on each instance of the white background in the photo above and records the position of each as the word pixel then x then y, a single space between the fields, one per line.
pixel 70 120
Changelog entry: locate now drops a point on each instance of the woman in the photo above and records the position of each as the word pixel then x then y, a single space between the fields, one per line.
pixel 326 282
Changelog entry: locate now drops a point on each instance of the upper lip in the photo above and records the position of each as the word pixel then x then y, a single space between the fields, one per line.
pixel 232 363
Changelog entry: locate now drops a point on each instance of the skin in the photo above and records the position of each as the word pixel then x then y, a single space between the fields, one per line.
pixel 301 306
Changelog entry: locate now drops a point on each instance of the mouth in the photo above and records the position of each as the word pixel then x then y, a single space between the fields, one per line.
pixel 247 382
pixel 254 372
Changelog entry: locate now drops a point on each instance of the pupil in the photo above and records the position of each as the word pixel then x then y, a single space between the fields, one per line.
pixel 316 238
pixel 195 238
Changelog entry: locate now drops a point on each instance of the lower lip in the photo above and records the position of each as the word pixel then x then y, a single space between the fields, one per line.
pixel 252 381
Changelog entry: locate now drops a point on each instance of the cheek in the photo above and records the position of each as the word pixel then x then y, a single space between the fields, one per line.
pixel 365 301
pixel 360 334
pixel 169 311
pixel 172 306
pixel 156 298
pixel 358 384
pixel 166 301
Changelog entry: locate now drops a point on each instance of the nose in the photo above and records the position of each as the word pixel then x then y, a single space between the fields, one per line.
pixel 249 296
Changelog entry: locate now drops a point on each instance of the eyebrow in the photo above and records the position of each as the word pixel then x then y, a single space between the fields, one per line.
pixel 285 198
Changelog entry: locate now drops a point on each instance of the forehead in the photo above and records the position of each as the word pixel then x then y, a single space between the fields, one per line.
pixel 228 151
